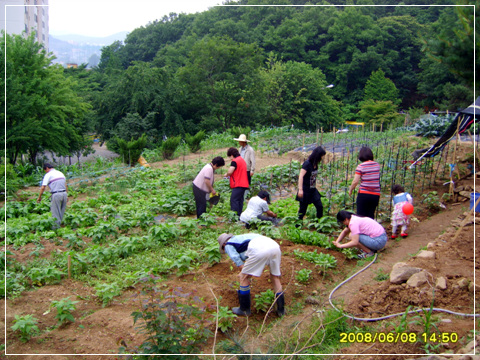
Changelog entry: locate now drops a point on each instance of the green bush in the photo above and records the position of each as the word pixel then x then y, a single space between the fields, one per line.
pixel 431 125
pixel 129 151
pixel 169 146
pixel 194 142
pixel 236 131
pixel 26 326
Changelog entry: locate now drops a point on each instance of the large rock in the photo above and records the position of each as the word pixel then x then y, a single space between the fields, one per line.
pixel 425 254
pixel 418 279
pixel 401 272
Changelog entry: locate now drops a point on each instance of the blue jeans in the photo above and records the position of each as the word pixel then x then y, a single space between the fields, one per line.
pixel 373 243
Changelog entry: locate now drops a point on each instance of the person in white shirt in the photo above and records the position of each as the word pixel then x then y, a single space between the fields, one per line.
pixel 248 154
pixel 256 207
pixel 57 183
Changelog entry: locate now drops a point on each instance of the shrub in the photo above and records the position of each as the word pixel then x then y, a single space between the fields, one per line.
pixel 173 322
pixel 129 151
pixel 64 310
pixel 194 142
pixel 169 146
pixel 431 125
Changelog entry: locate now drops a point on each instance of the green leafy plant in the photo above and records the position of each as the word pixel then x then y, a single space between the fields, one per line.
pixel 26 325
pixel 213 254
pixel 64 309
pixel 431 201
pixel 47 274
pixel 325 261
pixel 225 318
pixel 303 275
pixel 172 321
pixel 106 292
pixel 264 300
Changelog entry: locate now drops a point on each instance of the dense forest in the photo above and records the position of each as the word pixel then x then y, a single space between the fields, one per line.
pixel 250 63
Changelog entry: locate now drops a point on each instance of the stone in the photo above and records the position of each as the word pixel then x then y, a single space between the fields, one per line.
pixel 312 301
pixel 472 287
pixel 431 245
pixel 418 279
pixel 401 272
pixel 425 254
pixel 463 283
pixel 441 283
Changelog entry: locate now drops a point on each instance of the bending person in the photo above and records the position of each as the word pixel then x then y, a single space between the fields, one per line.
pixel 251 252
pixel 203 184
pixel 256 206
pixel 365 233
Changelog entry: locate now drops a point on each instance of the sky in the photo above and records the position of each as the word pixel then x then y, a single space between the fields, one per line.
pixel 101 18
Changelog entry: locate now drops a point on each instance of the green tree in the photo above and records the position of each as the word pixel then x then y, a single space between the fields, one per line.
pixel 378 87
pixel 379 112
pixel 220 82
pixel 296 93
pixel 43 112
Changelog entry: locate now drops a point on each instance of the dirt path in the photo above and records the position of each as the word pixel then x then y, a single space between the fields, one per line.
pixel 420 234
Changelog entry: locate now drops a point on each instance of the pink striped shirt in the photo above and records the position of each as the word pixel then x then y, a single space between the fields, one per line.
pixel 369 172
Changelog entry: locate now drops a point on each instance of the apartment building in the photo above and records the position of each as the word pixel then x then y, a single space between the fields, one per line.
pixel 18 16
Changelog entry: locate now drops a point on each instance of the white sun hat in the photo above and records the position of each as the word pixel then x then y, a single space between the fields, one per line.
pixel 242 138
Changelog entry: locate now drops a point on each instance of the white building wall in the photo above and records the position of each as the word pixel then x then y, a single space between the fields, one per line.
pixel 18 16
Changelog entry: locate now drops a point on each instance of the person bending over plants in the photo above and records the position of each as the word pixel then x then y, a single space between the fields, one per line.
pixel 255 209
pixel 251 252
pixel 203 184
pixel 366 234
pixel 307 184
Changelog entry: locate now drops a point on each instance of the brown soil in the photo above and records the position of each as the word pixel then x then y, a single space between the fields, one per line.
pixel 102 330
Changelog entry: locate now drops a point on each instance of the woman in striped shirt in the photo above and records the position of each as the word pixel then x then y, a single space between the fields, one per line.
pixel 368 175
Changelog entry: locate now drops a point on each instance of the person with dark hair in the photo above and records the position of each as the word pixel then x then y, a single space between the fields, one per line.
pixel 365 234
pixel 248 154
pixel 57 183
pixel 203 184
pixel 307 184
pixel 256 206
pixel 367 174
pixel 238 180
pixel 251 253
pixel 399 218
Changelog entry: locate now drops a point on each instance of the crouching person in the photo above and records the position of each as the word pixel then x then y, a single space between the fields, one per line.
pixel 256 207
pixel 251 252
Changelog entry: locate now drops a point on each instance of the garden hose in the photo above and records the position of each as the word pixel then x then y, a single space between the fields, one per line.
pixel 387 316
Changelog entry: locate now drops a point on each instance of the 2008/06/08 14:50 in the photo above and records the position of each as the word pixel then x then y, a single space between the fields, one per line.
pixel 404 337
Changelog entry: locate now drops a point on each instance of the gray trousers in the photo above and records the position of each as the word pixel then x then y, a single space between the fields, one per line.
pixel 58 206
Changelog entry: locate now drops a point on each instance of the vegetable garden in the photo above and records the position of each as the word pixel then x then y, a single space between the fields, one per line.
pixel 129 242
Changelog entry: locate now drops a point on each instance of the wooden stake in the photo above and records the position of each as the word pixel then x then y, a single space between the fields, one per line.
pixel 69 264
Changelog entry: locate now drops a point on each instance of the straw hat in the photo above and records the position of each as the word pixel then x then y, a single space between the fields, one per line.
pixel 242 138
pixel 222 239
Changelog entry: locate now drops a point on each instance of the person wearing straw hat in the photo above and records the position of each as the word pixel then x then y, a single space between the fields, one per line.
pixel 251 253
pixel 248 154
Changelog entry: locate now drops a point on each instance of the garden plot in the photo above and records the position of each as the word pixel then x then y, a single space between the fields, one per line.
pixel 113 244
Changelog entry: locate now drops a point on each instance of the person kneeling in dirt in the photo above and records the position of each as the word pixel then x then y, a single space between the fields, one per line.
pixel 251 252
pixel 258 205
pixel 365 234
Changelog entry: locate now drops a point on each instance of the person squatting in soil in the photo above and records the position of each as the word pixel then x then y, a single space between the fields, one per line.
pixel 203 184
pixel 368 175
pixel 248 154
pixel 238 180
pixel 307 184
pixel 251 252
pixel 365 234
pixel 399 218
pixel 57 183
pixel 256 206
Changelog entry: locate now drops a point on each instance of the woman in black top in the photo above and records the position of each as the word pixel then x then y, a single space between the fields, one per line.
pixel 307 181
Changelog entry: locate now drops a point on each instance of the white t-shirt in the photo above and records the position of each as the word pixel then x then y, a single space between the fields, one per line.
pixel 55 180
pixel 256 206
